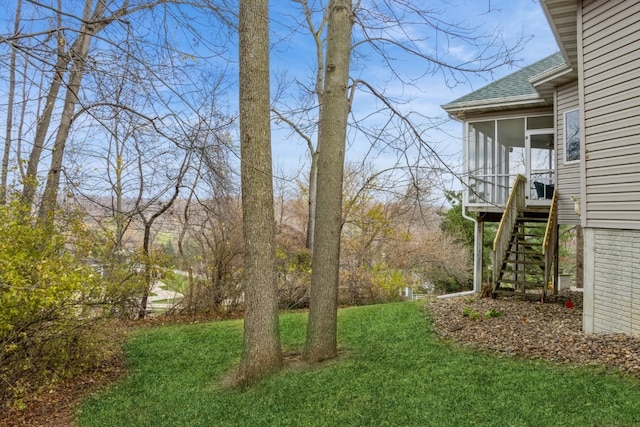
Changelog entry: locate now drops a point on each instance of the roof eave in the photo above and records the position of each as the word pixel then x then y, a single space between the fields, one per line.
pixel 562 18
pixel 550 75
pixel 494 104
pixel 546 82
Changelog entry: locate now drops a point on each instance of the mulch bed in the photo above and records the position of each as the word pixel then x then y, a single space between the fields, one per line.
pixel 528 328
pixel 56 406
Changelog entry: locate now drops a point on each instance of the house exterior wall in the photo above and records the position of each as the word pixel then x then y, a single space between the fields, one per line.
pixel 609 88
pixel 612 281
pixel 610 40
pixel 568 175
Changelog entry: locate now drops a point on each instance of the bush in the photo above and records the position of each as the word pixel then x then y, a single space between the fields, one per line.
pixel 45 288
pixel 294 278
pixel 364 285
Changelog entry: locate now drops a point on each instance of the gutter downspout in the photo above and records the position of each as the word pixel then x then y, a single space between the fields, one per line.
pixel 476 288
pixel 476 255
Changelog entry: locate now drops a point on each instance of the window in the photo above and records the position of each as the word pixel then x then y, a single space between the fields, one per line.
pixel 572 136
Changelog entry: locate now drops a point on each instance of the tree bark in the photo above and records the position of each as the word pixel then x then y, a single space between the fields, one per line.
pixel 262 351
pixel 313 186
pixel 10 101
pixel 78 54
pixel 321 342
pixel 95 18
pixel 313 152
pixel 44 121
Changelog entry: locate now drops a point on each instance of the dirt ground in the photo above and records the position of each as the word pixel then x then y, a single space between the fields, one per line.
pixel 523 328
pixel 528 328
pixel 55 407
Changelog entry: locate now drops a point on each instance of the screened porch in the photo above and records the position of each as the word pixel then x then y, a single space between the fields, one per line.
pixel 496 151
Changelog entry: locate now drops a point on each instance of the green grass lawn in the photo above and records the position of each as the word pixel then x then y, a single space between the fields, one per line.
pixel 393 372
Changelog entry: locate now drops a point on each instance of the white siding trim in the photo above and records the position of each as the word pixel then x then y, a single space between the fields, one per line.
pixel 583 165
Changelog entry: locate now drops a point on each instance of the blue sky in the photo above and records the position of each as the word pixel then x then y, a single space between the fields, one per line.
pixel 515 19
pixel 293 56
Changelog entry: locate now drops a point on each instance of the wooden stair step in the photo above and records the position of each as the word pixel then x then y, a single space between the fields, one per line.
pixel 531 244
pixel 535 272
pixel 526 285
pixel 523 252
pixel 525 261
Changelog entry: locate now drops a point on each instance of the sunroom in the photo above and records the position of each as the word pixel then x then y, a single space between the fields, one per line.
pixel 509 149
pixel 509 131
pixel 496 151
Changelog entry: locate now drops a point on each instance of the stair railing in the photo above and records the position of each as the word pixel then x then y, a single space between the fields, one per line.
pixel 550 241
pixel 515 205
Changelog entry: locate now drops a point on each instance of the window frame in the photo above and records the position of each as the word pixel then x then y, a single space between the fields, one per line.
pixel 575 111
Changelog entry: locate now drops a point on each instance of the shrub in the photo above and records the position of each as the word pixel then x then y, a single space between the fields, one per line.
pixel 365 285
pixel 45 290
pixel 294 277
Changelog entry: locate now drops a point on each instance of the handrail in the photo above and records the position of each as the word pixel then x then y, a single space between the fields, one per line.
pixel 515 205
pixel 551 224
pixel 550 240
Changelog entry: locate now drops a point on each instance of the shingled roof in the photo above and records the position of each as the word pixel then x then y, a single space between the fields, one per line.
pixel 515 88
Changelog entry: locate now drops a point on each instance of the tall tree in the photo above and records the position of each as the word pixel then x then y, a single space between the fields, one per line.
pixel 305 126
pixel 393 31
pixel 66 46
pixel 10 101
pixel 262 351
pixel 95 17
pixel 321 342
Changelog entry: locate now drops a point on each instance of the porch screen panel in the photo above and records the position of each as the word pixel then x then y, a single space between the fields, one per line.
pixel 511 146
pixel 481 141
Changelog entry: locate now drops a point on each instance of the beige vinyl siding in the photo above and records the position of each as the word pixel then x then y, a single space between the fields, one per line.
pixel 568 177
pixel 611 60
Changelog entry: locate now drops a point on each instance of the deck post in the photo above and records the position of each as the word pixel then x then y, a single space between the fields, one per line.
pixel 478 256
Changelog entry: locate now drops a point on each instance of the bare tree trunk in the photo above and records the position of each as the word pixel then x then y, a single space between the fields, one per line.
pixel 319 90
pixel 78 53
pixel 94 20
pixel 313 190
pixel 262 352
pixel 146 242
pixel 181 240
pixel 30 179
pixel 321 342
pixel 10 101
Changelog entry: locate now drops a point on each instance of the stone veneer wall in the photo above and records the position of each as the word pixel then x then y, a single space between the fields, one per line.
pixel 612 281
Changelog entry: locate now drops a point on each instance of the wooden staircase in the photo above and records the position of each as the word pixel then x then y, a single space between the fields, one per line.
pixel 525 247
pixel 523 266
